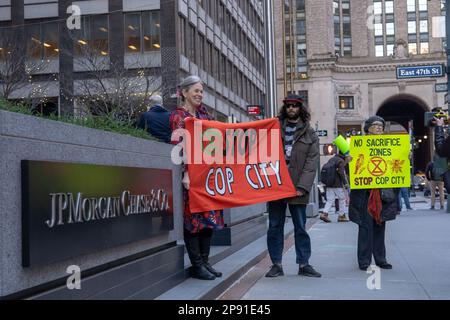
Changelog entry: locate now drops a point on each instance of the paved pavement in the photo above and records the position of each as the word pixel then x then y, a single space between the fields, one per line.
pixel 417 245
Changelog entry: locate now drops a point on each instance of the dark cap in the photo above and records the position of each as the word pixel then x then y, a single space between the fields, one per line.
pixel 293 99
pixel 371 120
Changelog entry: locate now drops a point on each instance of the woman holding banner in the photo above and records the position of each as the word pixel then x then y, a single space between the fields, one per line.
pixel 198 226
pixel 370 209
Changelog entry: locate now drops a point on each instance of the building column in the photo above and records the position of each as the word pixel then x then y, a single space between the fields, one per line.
pixel 169 53
pixel 116 34
pixel 66 78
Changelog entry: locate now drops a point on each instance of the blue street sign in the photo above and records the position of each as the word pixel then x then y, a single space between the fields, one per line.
pixel 420 72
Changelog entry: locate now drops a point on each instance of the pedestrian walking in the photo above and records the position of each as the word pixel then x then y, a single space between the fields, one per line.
pixel 442 145
pixel 433 173
pixel 198 226
pixel 404 194
pixel 370 209
pixel 301 147
pixel 334 175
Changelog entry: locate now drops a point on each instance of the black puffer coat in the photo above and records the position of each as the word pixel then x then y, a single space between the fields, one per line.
pixel 359 201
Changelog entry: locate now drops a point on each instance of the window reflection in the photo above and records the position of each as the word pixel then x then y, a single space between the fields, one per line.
pixel 42 40
pixel 92 38
pixel 142 32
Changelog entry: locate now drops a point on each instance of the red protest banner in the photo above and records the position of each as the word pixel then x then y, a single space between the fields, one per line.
pixel 232 165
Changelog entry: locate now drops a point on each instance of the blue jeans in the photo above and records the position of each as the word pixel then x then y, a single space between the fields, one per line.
pixel 404 193
pixel 275 234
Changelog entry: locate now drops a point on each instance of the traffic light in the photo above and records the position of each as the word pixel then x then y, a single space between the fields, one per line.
pixel 329 149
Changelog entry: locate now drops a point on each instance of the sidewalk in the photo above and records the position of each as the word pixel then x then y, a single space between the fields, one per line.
pixel 417 245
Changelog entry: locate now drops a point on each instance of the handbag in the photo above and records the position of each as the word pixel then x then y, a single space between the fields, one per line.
pixel 446 178
pixel 388 195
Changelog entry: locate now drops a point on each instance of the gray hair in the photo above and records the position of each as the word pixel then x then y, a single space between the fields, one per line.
pixel 187 83
pixel 156 100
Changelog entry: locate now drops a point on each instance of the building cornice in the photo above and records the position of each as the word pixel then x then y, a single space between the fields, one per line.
pixel 336 66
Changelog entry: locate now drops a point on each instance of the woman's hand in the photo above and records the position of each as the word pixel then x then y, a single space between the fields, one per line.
pixel 186 181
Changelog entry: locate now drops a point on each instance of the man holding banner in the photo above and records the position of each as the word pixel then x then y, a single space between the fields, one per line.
pixel 380 166
pixel 301 149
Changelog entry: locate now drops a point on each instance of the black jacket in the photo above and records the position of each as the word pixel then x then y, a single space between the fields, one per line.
pixel 441 143
pixel 359 201
pixel 304 158
pixel 156 122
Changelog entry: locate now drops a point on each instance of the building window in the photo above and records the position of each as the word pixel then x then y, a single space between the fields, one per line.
pixel 390 29
pixel 423 26
pixel 389 6
pixel 346 103
pixel 42 40
pixel 412 27
pixel 389 49
pixel 412 48
pixel 424 48
pixel 378 29
pixel 411 6
pixel 151 27
pixel 423 5
pixel 342 27
pixel 92 38
pixel 379 51
pixel 142 32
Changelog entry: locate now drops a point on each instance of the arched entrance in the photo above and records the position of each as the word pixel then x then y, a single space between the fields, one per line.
pixel 404 110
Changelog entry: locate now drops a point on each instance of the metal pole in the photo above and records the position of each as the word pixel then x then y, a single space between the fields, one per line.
pixel 447 50
pixel 271 80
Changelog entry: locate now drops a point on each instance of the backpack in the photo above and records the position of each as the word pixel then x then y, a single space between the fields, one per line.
pixel 329 172
pixel 440 166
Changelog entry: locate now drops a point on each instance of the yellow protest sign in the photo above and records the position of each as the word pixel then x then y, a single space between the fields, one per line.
pixel 380 161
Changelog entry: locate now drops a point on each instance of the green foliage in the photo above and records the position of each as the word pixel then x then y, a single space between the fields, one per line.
pixel 105 123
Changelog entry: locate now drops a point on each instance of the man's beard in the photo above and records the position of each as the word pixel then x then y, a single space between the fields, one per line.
pixel 293 117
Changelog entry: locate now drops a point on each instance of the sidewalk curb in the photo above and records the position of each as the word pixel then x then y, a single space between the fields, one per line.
pixel 194 289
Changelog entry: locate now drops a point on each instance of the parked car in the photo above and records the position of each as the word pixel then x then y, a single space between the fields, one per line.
pixel 419 182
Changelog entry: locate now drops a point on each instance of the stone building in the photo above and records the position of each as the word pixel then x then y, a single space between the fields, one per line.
pixel 343 57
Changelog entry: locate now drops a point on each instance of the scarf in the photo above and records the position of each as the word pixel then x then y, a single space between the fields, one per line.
pixel 375 205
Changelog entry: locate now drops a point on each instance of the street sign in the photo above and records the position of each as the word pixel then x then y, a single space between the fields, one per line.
pixel 322 133
pixel 440 87
pixel 254 110
pixel 420 72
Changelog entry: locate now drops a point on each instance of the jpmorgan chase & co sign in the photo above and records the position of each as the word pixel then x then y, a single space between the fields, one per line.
pixel 73 209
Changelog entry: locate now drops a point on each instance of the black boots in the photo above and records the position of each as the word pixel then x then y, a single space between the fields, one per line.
pixel 197 246
pixel 208 267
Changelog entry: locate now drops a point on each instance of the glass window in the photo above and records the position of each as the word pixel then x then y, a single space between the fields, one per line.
pixel 377 8
pixel 423 5
pixel 50 40
pixel 411 5
pixel 132 32
pixel 390 49
pixel 379 51
pixel 411 27
pixel 378 29
pixel 379 40
pixel 423 26
pixel 424 48
pixel 390 28
pixel 151 28
pixel 42 40
pixel 389 6
pixel 34 43
pixel 412 48
pixel 99 34
pixel 335 8
pixel 346 102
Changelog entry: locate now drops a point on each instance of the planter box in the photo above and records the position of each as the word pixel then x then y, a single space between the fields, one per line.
pixel 25 137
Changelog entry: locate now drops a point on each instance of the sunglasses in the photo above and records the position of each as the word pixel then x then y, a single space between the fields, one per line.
pixel 292 106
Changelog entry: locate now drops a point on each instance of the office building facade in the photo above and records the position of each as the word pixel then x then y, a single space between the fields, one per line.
pixel 155 43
